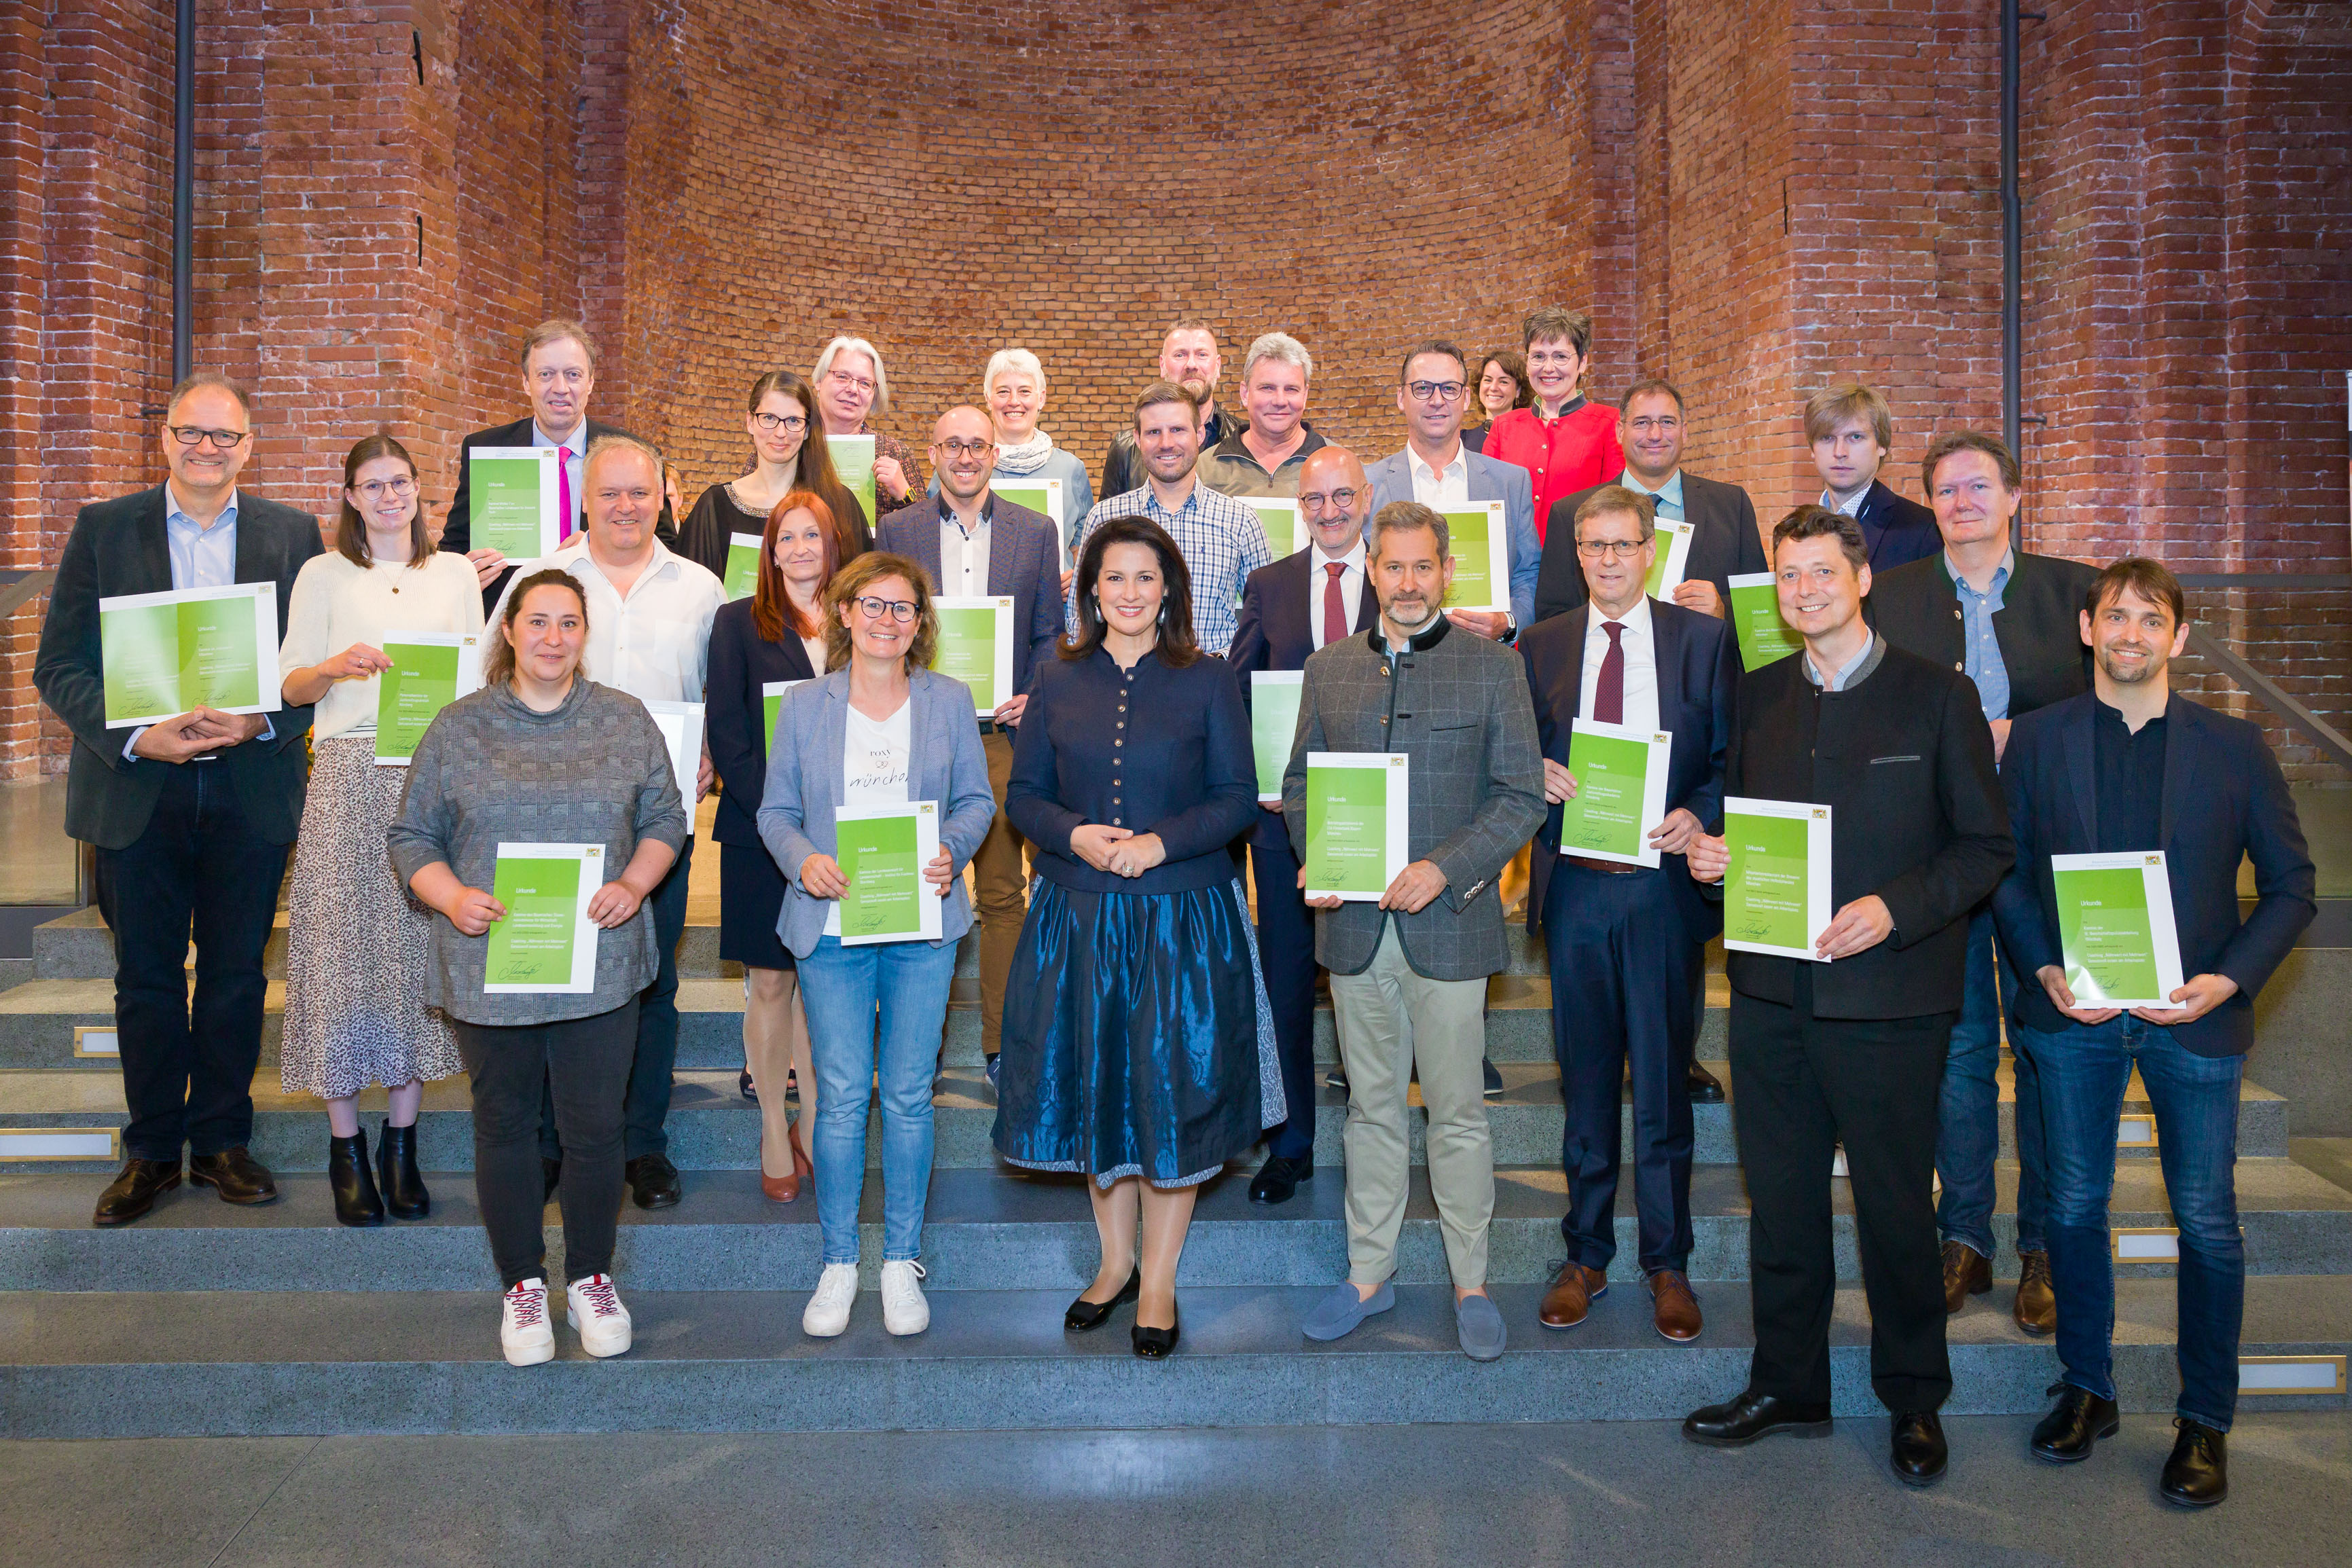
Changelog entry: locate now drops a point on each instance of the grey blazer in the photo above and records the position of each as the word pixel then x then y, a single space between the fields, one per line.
pixel 804 790
pixel 1024 561
pixel 1475 788
pixel 1490 480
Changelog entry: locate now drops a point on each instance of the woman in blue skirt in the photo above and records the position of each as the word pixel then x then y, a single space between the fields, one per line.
pixel 1139 1046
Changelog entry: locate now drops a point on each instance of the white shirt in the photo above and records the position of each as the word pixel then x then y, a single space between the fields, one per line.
pixel 655 644
pixel 877 758
pixel 963 556
pixel 1441 487
pixel 574 447
pixel 1641 648
pixel 337 603
pixel 1351 584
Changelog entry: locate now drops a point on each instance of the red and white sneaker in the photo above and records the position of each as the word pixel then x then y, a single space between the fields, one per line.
pixel 594 1307
pixel 524 1333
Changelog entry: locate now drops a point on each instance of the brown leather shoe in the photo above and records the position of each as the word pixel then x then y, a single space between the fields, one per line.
pixel 1673 1307
pixel 134 1189
pixel 1572 1295
pixel 2036 1309
pixel 1966 1272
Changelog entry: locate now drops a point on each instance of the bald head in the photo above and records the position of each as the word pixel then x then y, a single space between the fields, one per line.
pixel 1335 499
pixel 964 453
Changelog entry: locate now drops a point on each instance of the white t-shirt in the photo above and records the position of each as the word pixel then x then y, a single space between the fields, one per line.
pixel 877 759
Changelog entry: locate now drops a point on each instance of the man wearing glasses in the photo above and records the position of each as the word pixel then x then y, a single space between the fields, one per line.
pixel 1305 602
pixel 191 816
pixel 973 541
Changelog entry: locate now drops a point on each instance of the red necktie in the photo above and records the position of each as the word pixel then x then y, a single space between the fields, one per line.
pixel 1334 614
pixel 1609 693
pixel 563 491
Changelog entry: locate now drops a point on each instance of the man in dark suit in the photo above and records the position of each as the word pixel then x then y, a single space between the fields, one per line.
pixel 1307 600
pixel 1851 1048
pixel 191 816
pixel 2132 769
pixel 972 543
pixel 1623 939
pixel 558 373
pixel 1724 542
pixel 1851 429
pixel 2007 620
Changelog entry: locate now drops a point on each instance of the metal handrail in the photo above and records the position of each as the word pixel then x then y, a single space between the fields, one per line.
pixel 26 585
pixel 2271 695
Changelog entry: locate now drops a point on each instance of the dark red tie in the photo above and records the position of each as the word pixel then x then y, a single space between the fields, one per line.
pixel 1334 614
pixel 1609 693
pixel 564 491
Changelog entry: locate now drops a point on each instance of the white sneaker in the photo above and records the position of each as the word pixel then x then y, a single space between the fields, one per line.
pixel 524 1333
pixel 828 1312
pixel 594 1307
pixel 904 1310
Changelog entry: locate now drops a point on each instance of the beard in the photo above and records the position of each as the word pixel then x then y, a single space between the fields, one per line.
pixel 2124 675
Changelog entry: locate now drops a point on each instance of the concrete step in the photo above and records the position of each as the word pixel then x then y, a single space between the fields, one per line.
pixel 217 1364
pixel 712 1128
pixel 999 1229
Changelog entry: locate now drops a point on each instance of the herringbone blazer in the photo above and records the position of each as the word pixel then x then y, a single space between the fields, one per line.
pixel 1457 704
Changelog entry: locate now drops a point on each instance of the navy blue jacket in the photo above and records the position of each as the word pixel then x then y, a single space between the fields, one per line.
pixel 1896 530
pixel 2224 798
pixel 735 715
pixel 1698 674
pixel 1272 631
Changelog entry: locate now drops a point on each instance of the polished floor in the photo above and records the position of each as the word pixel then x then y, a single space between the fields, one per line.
pixel 1451 1496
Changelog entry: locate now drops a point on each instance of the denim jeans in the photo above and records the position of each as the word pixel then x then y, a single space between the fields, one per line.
pixel 841 987
pixel 2083 1070
pixel 1969 1142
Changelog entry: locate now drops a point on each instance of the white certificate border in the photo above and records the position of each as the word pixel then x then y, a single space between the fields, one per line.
pixel 470 672
pixel 2164 934
pixel 1653 788
pixel 1260 679
pixel 928 910
pixel 1398 803
pixel 1056 503
pixel 733 540
pixel 583 930
pixel 265 642
pixel 1000 652
pixel 689 746
pixel 1499 553
pixel 551 497
pixel 1678 546
pixel 1817 818
pixel 776 689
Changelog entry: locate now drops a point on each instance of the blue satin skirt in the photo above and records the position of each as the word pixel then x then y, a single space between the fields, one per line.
pixel 1138 1037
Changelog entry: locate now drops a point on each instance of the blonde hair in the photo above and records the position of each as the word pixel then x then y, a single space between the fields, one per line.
pixel 852 581
pixel 557 330
pixel 1833 406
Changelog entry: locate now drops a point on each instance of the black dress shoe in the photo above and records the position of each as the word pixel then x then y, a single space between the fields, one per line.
pixel 1278 1178
pixel 1919 1450
pixel 236 1174
pixel 1706 1089
pixel 2067 1435
pixel 133 1190
pixel 354 1185
pixel 1085 1314
pixel 1337 1078
pixel 2197 1474
pixel 1490 1080
pixel 551 1171
pixel 1750 1415
pixel 652 1182
pixel 744 1086
pixel 397 1174
pixel 1154 1344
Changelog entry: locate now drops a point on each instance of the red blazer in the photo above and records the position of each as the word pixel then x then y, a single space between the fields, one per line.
pixel 1573 453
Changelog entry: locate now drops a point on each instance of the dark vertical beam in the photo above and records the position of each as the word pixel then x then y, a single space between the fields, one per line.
pixel 184 189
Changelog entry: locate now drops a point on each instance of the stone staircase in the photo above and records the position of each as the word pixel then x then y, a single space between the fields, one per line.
pixel 204 1317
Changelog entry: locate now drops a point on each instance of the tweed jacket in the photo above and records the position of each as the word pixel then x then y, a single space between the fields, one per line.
pixel 1458 706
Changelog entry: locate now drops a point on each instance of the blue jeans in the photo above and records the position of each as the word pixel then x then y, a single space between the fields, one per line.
pixel 840 987
pixel 1969 1142
pixel 2083 1070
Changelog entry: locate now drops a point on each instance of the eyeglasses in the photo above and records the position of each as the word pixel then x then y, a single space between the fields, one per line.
pixel 1337 501
pixel 790 423
pixel 1598 550
pixel 192 434
pixel 1567 357
pixel 1439 391
pixel 898 609
pixel 963 449
pixel 376 489
pixel 860 382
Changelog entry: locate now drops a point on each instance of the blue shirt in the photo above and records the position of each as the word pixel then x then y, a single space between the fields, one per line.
pixel 1668 497
pixel 1222 544
pixel 1982 660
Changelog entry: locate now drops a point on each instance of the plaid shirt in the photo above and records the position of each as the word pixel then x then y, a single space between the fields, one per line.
pixel 1221 543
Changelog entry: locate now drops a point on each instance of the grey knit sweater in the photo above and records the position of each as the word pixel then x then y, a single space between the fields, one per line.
pixel 593 771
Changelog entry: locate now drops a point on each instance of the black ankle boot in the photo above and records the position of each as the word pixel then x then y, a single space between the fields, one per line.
pixel 356 1202
pixel 404 1188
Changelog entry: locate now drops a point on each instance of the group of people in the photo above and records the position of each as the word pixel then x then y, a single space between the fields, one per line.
pixel 1150 954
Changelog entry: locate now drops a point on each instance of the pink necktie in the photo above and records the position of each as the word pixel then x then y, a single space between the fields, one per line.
pixel 564 490
pixel 1334 614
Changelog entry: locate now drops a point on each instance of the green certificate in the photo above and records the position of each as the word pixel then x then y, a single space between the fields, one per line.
pixel 853 459
pixel 1039 495
pixel 1764 637
pixel 771 698
pixel 743 565
pixel 1673 541
pixel 1621 792
pixel 545 944
pixel 1274 724
pixel 162 654
pixel 514 500
pixel 976 646
pixel 1357 817
pixel 882 850
pixel 1775 892
pixel 430 670
pixel 1481 546
pixel 2115 931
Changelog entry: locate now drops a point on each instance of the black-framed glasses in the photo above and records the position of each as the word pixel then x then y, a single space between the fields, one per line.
pixel 1336 501
pixel 790 423
pixel 1444 391
pixel 898 609
pixel 1598 550
pixel 964 448
pixel 191 434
